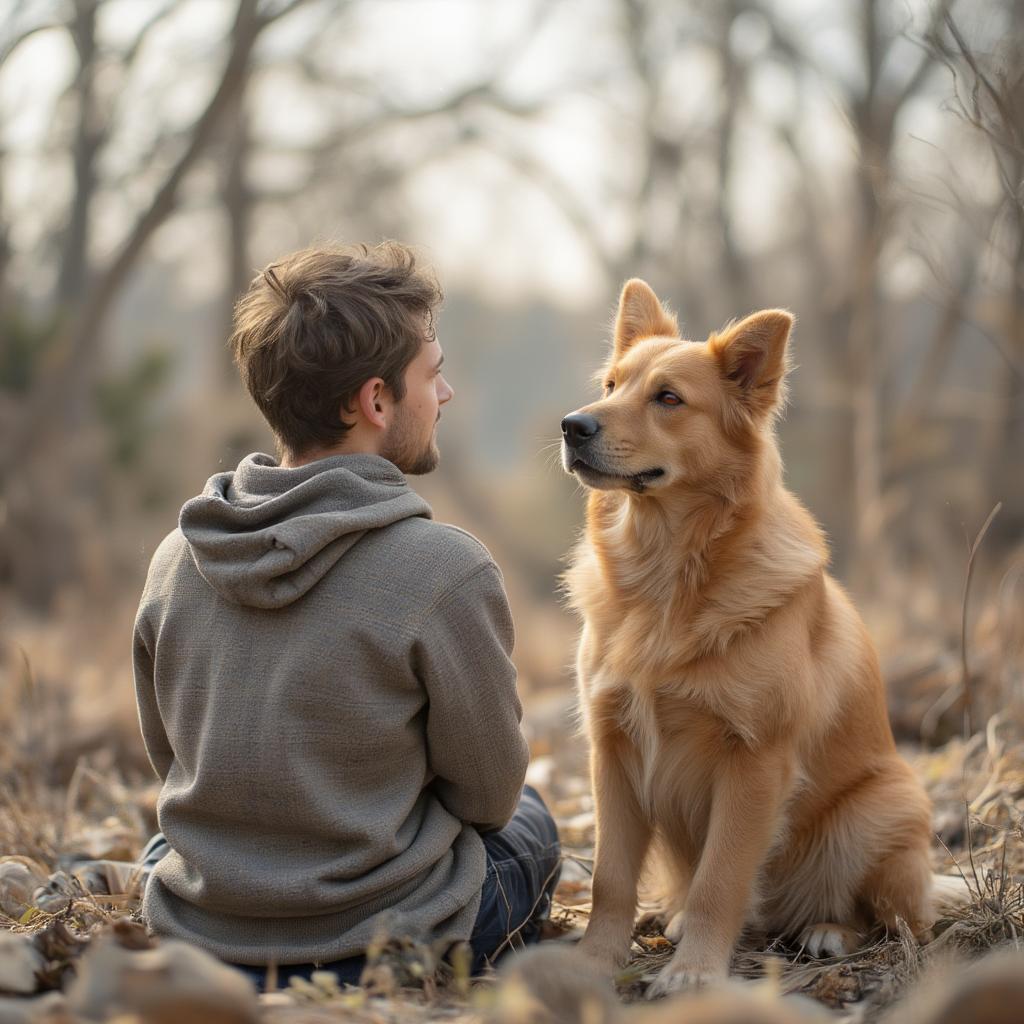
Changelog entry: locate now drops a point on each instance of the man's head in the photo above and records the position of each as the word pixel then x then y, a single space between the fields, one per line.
pixel 337 348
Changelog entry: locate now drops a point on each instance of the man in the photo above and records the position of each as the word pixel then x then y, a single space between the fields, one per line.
pixel 322 671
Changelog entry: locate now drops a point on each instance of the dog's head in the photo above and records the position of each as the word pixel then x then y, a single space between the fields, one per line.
pixel 675 413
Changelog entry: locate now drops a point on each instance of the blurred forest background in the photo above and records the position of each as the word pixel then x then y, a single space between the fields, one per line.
pixel 859 162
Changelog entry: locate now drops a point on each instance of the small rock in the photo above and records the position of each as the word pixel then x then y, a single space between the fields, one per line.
pixel 732 1002
pixel 47 1009
pixel 58 944
pixel 20 962
pixel 990 991
pixel 170 984
pixel 131 934
pixel 552 984
pixel 17 883
pixel 56 894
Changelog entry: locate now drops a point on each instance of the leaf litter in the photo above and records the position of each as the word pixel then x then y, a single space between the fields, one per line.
pixel 69 906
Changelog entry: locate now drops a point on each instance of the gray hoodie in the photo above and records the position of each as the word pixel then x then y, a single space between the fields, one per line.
pixel 325 688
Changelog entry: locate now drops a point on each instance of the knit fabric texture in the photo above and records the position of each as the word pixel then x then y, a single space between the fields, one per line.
pixel 325 688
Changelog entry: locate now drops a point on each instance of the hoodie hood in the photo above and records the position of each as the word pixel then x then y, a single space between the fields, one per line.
pixel 263 535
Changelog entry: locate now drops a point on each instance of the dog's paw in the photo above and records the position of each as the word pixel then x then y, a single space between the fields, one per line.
pixel 661 922
pixel 674 929
pixel 683 973
pixel 608 958
pixel 826 940
pixel 652 922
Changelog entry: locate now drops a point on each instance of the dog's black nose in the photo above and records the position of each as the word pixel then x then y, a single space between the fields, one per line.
pixel 579 427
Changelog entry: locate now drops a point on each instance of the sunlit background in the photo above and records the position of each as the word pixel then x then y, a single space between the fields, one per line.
pixel 858 161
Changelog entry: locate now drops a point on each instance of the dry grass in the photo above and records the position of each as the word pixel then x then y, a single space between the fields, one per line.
pixel 977 788
pixel 73 781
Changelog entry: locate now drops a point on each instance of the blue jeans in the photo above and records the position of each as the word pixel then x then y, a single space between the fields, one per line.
pixel 523 865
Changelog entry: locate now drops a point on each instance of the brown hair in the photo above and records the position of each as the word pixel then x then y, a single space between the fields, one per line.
pixel 316 325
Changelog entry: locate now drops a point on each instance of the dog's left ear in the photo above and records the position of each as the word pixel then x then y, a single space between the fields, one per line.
pixel 641 315
pixel 752 355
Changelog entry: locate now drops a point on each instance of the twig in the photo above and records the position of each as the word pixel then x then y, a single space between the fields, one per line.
pixel 970 846
pixel 512 935
pixel 956 863
pixel 964 676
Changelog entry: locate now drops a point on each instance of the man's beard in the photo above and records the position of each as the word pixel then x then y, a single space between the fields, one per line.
pixel 400 447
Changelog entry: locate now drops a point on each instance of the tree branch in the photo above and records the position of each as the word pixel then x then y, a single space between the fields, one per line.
pixel 13 45
pixel 277 13
pixel 83 336
pixel 129 56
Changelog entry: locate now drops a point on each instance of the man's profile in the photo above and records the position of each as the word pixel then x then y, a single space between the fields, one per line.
pixel 323 671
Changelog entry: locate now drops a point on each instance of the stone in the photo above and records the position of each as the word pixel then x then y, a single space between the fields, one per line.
pixel 46 1009
pixel 20 963
pixel 169 984
pixel 17 883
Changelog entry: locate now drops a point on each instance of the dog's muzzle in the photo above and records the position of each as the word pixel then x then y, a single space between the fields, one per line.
pixel 578 428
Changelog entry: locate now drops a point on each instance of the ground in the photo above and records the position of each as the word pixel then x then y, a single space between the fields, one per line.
pixel 977 787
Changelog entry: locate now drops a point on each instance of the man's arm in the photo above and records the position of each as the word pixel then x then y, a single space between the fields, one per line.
pixel 158 747
pixel 463 658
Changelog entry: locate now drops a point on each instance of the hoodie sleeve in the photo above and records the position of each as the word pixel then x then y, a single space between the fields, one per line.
pixel 158 747
pixel 475 745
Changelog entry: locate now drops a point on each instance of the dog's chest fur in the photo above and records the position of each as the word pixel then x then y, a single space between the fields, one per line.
pixel 668 744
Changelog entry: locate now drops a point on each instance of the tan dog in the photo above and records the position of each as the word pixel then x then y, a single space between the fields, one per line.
pixel 732 696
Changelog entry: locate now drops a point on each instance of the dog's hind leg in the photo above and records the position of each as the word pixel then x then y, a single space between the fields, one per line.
pixel 900 887
pixel 950 893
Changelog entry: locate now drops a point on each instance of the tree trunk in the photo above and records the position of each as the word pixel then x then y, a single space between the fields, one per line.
pixel 53 402
pixel 865 350
pixel 88 140
pixel 738 285
pixel 238 201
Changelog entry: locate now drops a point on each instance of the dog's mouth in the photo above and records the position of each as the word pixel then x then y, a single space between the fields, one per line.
pixel 609 481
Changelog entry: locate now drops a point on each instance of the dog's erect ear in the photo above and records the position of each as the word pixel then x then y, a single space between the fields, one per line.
pixel 752 355
pixel 641 315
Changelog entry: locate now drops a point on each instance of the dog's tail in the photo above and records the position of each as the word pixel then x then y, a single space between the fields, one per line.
pixel 950 893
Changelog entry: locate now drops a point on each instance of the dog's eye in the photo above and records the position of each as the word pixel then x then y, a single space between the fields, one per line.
pixel 609 386
pixel 668 398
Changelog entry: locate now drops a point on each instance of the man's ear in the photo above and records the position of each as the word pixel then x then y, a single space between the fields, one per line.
pixel 752 357
pixel 374 402
pixel 640 315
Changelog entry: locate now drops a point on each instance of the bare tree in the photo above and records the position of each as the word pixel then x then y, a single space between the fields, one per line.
pixel 34 451
pixel 89 138
pixel 68 378
pixel 238 199
pixel 989 97
pixel 5 245
pixel 223 129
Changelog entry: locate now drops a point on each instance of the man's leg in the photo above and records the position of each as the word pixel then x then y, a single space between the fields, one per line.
pixel 523 865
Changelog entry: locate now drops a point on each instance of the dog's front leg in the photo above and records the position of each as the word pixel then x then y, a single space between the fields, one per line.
pixel 745 816
pixel 623 835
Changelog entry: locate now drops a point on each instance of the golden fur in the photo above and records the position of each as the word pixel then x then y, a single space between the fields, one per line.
pixel 731 694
